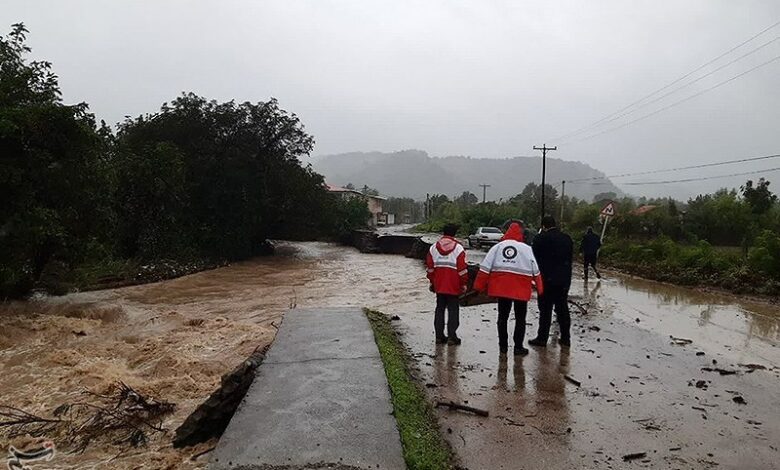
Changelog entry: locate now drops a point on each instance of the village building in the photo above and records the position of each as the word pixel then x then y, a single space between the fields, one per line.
pixel 374 203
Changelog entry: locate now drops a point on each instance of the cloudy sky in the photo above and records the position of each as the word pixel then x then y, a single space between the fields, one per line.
pixel 479 78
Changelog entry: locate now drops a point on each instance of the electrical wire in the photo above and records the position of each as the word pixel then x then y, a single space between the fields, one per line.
pixel 690 167
pixel 667 86
pixel 702 178
pixel 665 95
pixel 676 103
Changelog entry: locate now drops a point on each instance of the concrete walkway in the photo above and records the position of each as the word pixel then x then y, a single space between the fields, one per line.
pixel 320 400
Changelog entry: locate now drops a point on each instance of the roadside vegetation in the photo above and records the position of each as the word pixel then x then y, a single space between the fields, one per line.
pixel 729 239
pixel 192 185
pixel 423 445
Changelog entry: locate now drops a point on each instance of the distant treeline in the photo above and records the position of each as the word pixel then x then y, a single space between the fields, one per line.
pixel 196 181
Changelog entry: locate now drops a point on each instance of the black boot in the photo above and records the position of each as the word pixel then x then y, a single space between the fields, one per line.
pixel 538 342
pixel 520 351
pixel 441 340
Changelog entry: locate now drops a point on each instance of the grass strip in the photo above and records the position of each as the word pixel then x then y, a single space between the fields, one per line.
pixel 423 445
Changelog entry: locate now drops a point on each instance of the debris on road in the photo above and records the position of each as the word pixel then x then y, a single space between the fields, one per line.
pixel 571 379
pixel 680 341
pixel 719 370
pixel 753 367
pixel 579 306
pixel 634 456
pixel 458 406
pixel 739 400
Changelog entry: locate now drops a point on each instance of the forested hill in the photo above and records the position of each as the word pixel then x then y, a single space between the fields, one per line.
pixel 414 173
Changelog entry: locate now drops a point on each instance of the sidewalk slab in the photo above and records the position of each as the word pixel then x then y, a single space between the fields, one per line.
pixel 319 400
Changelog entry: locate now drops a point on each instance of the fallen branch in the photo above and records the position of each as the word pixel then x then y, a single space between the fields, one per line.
pixel 582 309
pixel 719 370
pixel 681 341
pixel 124 417
pixel 458 406
pixel 571 379
pixel 634 456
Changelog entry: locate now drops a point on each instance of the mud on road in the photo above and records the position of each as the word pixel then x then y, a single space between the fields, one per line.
pixel 648 358
pixel 174 339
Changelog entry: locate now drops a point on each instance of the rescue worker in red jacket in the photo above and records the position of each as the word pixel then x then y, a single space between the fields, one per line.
pixel 508 273
pixel 448 273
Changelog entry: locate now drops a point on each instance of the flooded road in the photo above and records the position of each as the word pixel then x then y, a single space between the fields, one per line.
pixel 174 339
pixel 639 390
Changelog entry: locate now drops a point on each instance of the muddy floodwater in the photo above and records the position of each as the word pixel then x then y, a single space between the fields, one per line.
pixel 174 339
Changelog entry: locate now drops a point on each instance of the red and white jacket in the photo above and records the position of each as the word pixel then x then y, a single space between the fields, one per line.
pixel 509 270
pixel 447 270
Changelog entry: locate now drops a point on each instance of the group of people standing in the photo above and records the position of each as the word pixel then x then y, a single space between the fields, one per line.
pixel 509 273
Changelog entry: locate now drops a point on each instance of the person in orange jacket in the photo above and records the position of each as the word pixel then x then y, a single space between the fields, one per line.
pixel 508 273
pixel 448 273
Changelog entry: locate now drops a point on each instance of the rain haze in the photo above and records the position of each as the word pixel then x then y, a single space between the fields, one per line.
pixel 482 79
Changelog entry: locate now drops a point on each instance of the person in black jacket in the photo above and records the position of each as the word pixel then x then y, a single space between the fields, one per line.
pixel 590 251
pixel 554 251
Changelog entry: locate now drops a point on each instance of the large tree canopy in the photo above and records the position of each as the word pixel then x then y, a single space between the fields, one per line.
pixel 198 180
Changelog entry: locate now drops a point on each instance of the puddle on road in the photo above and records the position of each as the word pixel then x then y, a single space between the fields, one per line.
pixel 174 340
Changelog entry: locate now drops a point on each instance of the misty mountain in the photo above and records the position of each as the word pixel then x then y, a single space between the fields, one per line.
pixel 414 173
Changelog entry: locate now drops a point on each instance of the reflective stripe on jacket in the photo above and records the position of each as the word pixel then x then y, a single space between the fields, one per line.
pixel 509 270
pixel 446 263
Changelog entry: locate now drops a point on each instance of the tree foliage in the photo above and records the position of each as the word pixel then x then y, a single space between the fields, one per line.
pixel 197 180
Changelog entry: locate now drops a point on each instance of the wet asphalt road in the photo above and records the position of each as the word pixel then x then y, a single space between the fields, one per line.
pixel 641 390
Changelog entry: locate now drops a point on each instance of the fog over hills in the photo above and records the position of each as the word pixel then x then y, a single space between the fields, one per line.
pixel 413 173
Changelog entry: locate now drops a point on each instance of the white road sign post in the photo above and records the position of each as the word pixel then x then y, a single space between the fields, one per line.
pixel 607 212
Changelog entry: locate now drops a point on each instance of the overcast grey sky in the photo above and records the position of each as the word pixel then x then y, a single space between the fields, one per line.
pixel 480 78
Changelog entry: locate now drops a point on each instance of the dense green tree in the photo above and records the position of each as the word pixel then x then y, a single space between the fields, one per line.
pixel 233 171
pixel 467 198
pixel 53 178
pixel 529 202
pixel 720 218
pixel 759 197
pixel 369 191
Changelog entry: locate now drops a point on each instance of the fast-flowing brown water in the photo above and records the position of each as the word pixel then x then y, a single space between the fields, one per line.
pixel 174 339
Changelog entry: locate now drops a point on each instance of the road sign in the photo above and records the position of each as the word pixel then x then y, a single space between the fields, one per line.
pixel 609 209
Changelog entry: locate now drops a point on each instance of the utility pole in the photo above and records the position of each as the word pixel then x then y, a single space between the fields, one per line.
pixel 563 201
pixel 484 191
pixel 544 148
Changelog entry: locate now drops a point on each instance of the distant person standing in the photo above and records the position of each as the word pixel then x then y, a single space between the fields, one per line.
pixel 554 251
pixel 591 243
pixel 508 273
pixel 448 273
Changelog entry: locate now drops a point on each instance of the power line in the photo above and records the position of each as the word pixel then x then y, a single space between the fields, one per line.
pixel 702 178
pixel 690 167
pixel 675 90
pixel 665 87
pixel 718 85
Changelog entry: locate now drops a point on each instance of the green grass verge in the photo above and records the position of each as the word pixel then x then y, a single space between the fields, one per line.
pixel 424 447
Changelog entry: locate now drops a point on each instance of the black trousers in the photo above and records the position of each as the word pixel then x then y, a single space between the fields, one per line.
pixel 590 260
pixel 504 307
pixel 554 297
pixel 450 303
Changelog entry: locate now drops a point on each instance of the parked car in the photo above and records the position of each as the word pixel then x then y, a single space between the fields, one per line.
pixel 485 236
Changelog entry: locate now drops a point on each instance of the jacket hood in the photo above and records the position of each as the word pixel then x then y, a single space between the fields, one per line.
pixel 446 245
pixel 515 232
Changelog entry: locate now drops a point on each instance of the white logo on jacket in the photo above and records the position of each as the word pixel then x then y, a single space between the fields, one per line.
pixel 510 256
